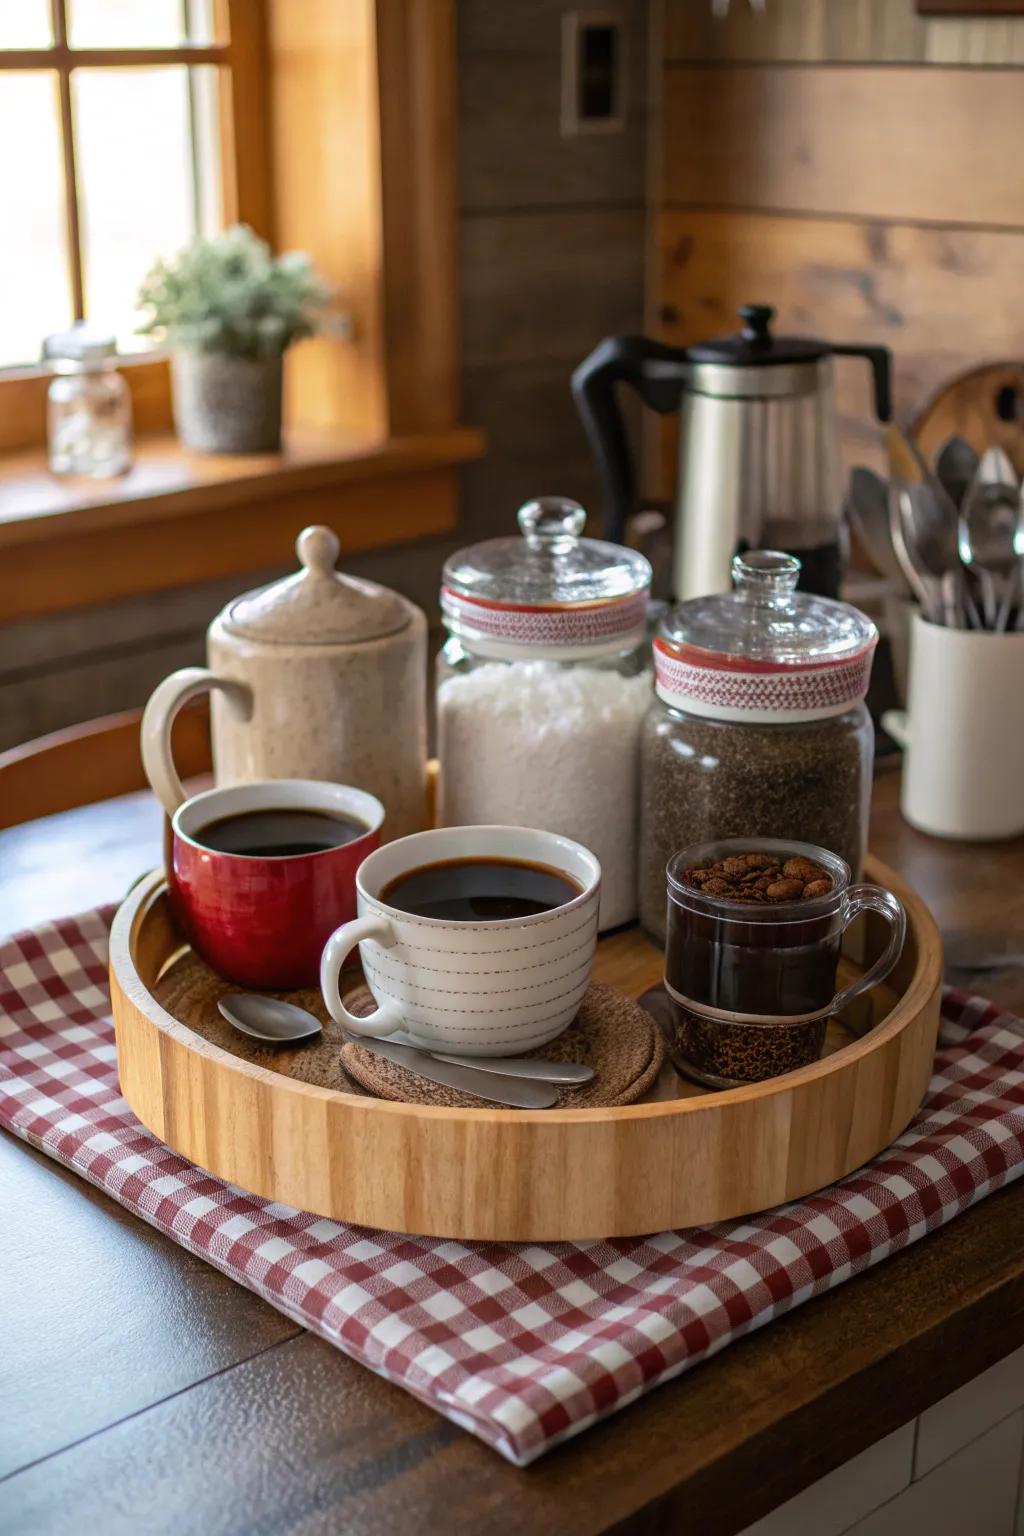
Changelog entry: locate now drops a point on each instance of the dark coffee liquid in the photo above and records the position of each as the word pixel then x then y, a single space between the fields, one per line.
pixel 279 834
pixel 480 890
pixel 748 967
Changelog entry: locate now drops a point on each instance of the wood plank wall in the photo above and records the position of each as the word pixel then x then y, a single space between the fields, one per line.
pixel 854 164
pixel 552 250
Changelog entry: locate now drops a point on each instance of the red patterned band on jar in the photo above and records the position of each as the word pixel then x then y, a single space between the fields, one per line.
pixel 577 624
pixel 733 688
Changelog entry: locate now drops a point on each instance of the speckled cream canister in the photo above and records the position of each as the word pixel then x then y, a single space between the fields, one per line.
pixel 319 676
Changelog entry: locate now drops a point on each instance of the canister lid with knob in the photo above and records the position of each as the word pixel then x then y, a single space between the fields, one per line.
pixel 317 605
pixel 764 652
pixel 549 592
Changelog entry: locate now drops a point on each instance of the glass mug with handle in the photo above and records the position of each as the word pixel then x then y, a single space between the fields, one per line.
pixel 752 985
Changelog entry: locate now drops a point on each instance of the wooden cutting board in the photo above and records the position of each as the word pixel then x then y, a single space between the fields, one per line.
pixel 986 406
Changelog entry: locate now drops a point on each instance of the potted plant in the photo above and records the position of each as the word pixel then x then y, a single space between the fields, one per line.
pixel 230 310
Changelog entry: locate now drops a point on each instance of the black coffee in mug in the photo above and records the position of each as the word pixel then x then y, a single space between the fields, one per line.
pixel 480 890
pixel 279 833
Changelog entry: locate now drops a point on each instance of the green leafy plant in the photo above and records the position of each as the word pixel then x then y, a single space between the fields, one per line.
pixel 232 295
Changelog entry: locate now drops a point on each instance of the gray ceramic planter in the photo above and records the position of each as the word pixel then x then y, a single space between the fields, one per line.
pixel 225 404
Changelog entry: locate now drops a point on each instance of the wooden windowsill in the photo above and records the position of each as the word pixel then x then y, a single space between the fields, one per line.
pixel 179 518
pixel 167 481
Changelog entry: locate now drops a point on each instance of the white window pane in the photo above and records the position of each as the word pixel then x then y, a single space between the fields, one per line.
pixel 25 24
pixel 138 23
pixel 35 283
pixel 141 194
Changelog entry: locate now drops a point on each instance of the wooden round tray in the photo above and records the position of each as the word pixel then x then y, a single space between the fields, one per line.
pixel 687 1158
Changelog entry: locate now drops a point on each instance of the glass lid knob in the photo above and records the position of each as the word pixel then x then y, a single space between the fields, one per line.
pixel 765 575
pixel 551 523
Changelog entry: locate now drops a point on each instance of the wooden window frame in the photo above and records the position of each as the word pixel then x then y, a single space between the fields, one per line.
pixel 373 442
pixel 239 52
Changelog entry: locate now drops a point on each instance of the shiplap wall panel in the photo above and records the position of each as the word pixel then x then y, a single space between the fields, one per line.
pixel 896 142
pixel 839 31
pixel 537 445
pixel 512 153
pixel 122 680
pixel 552 250
pixel 548 284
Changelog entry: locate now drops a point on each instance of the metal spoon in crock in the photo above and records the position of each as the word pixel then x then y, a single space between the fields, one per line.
pixel 956 466
pixel 867 511
pixel 992 534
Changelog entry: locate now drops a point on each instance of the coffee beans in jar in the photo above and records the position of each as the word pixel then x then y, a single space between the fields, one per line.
pixel 759 727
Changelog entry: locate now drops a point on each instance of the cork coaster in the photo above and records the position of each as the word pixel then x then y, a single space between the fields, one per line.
pixel 611 1033
pixel 189 990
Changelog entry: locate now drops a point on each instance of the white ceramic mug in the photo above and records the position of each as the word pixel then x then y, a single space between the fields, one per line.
pixel 963 732
pixel 483 988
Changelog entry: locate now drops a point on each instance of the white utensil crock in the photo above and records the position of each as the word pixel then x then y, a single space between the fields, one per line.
pixel 963 732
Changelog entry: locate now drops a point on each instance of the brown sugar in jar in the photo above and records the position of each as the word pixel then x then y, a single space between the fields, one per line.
pixel 759 727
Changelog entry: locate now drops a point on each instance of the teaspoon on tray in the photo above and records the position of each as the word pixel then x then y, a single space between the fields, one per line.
pixel 529 1082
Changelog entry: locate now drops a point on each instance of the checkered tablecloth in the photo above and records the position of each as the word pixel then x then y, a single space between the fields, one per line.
pixel 523 1344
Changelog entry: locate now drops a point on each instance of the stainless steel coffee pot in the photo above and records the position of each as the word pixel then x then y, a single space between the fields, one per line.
pixel 759 463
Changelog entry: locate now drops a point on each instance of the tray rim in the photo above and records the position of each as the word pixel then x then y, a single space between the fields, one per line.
pixel 925 982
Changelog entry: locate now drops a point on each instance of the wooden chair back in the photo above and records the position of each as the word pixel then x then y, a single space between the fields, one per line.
pixel 93 761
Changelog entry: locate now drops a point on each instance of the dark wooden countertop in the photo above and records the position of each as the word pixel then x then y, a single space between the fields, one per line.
pixel 142 1390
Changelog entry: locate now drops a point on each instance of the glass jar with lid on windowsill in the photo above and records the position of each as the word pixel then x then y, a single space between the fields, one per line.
pixel 88 405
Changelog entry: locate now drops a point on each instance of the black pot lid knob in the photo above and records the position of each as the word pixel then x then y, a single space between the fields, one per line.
pixel 756 320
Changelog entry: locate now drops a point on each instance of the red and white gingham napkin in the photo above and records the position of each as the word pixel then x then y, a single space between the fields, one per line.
pixel 523 1344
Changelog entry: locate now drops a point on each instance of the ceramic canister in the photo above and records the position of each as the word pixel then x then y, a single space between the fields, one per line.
pixel 319 676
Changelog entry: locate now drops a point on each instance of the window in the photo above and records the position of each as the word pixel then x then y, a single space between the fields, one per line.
pixel 118 126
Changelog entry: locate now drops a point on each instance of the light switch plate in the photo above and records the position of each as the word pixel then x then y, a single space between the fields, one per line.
pixel 594 72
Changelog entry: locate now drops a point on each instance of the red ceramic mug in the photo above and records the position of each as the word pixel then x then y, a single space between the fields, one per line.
pixel 263 921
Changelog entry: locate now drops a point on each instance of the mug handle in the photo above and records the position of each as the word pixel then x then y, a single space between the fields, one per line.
pixel 158 718
pixel 896 722
pixel 388 1017
pixel 872 898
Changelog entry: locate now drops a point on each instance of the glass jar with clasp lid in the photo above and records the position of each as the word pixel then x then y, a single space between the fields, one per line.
pixel 88 405
pixel 759 727
pixel 542 685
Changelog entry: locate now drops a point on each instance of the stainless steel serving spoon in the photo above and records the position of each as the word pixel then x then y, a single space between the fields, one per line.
pixel 956 466
pixel 992 534
pixel 927 527
pixel 920 511
pixel 278 1023
pixel 922 582
pixel 867 509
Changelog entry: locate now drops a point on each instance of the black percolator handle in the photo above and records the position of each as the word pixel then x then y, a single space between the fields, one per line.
pixel 658 373
pixel 880 359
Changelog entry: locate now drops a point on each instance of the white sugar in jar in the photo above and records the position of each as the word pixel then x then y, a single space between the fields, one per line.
pixel 542 688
